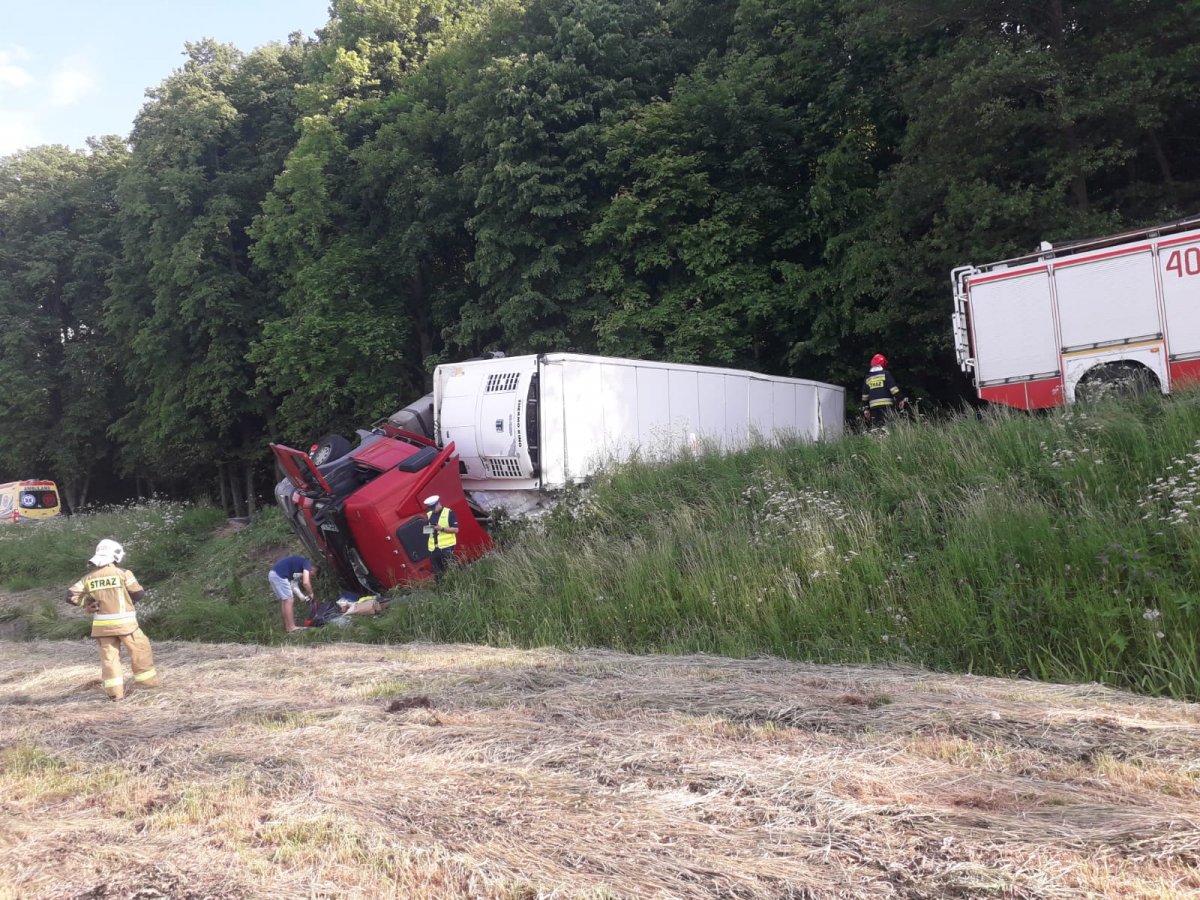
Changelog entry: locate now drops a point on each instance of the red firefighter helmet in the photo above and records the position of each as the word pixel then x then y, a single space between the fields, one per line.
pixel 879 360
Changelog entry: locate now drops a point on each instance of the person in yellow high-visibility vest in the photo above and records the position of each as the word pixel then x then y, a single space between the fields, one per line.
pixel 110 594
pixel 443 534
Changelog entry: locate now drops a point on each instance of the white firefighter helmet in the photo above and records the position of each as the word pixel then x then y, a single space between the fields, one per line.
pixel 107 552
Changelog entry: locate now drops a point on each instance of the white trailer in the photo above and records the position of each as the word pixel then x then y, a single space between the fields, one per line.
pixel 1040 330
pixel 532 423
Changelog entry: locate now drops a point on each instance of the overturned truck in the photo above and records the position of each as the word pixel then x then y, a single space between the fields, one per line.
pixel 507 433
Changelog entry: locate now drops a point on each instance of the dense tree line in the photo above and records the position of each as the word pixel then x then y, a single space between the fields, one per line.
pixel 291 238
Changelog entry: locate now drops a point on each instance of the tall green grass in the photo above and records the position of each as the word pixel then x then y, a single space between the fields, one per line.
pixel 199 584
pixel 157 534
pixel 1063 546
pixel 1008 544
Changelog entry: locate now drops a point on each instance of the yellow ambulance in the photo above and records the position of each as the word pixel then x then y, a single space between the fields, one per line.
pixel 20 500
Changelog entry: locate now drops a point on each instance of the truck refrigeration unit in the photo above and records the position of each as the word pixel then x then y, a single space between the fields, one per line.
pixel 1070 320
pixel 505 432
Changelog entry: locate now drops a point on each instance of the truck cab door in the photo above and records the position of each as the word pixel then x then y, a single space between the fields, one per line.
pixel 299 467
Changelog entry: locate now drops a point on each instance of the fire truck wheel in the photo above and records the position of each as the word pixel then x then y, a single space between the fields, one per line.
pixel 1118 379
pixel 329 448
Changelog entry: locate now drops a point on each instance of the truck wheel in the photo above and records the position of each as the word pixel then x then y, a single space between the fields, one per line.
pixel 1118 379
pixel 330 447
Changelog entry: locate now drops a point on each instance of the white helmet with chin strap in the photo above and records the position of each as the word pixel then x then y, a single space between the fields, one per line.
pixel 107 553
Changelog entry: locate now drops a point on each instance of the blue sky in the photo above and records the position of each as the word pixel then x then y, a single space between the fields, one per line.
pixel 70 69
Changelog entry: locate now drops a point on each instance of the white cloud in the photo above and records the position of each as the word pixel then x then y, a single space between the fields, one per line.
pixel 13 75
pixel 73 81
pixel 17 131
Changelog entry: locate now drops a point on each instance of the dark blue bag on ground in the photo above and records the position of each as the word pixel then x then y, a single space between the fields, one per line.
pixel 322 613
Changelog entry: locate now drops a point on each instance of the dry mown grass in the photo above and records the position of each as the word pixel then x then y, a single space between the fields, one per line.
pixel 452 771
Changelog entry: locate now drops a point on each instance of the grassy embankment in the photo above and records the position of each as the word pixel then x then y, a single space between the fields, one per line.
pixel 1061 547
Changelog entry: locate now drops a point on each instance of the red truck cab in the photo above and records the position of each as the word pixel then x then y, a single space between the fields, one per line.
pixel 364 514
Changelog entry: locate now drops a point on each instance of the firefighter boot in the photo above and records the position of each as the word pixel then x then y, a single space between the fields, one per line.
pixel 110 667
pixel 141 657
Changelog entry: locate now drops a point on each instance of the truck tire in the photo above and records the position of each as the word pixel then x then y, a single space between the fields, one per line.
pixel 329 448
pixel 1116 379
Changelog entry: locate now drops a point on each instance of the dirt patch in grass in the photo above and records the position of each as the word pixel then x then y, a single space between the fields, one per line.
pixel 454 771
pixel 409 703
pixel 10 601
pixel 230 526
pixel 269 554
pixel 13 627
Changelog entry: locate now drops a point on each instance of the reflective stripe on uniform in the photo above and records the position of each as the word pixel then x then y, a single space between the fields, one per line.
pixel 885 402
pixel 113 618
pixel 143 676
pixel 113 682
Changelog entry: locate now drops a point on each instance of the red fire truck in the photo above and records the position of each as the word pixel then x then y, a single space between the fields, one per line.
pixel 1071 319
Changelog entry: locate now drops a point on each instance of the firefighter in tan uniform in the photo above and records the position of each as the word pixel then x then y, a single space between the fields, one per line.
pixel 110 593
